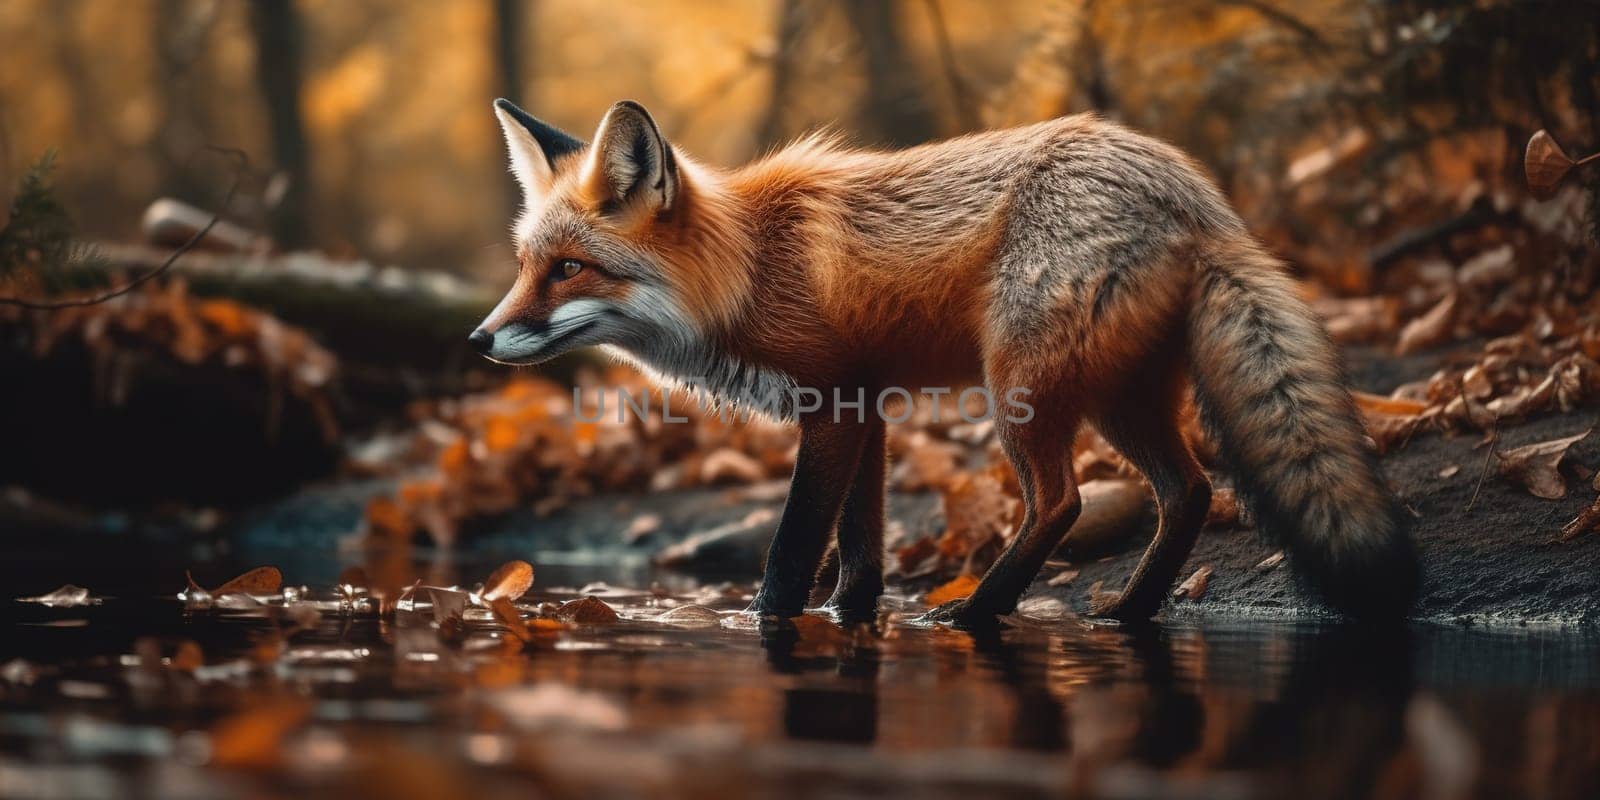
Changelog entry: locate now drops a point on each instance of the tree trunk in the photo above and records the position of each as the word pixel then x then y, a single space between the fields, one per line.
pixel 791 28
pixel 177 35
pixel 509 17
pixel 275 26
pixel 895 108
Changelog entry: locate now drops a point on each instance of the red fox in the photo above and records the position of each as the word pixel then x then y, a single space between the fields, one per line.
pixel 1091 265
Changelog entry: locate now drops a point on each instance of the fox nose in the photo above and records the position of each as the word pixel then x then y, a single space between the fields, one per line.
pixel 481 340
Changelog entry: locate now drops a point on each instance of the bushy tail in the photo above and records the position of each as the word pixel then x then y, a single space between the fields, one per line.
pixel 1271 393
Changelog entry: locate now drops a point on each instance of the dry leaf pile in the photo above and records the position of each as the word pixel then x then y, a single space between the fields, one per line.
pixel 167 322
pixel 525 445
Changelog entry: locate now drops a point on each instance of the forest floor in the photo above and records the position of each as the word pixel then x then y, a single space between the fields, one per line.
pixel 1491 551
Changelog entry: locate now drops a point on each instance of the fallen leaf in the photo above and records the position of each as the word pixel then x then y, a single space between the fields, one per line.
pixel 1062 578
pixel 507 615
pixel 587 611
pixel 193 596
pixel 448 602
pixel 261 580
pixel 512 580
pixel 1378 404
pixel 1195 585
pixel 1534 466
pixel 1585 522
pixel 957 588
pixel 977 512
pixel 1270 562
pixel 1496 265
pixel 1545 164
pixel 67 596
pixel 1434 327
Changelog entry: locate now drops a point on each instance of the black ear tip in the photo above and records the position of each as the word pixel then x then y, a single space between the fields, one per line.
pixel 506 105
pixel 634 106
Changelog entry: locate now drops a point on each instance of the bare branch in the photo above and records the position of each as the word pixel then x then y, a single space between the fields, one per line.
pixel 242 164
pixel 1278 16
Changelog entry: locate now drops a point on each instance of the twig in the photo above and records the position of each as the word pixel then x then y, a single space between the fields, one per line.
pixel 1494 441
pixel 1277 15
pixel 960 92
pixel 1482 213
pixel 242 163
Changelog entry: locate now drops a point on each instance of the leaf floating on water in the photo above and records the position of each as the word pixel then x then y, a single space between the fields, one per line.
pixel 193 596
pixel 507 615
pixel 1195 586
pixel 957 588
pixel 587 611
pixel 546 625
pixel 512 580
pixel 691 616
pixel 448 602
pixel 68 596
pixel 261 580
pixel 1535 466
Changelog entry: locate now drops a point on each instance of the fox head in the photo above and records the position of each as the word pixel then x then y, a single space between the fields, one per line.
pixel 616 243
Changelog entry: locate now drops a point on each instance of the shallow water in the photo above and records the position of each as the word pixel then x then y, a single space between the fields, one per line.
pixel 97 700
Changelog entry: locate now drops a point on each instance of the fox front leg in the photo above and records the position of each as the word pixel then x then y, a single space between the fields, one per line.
pixel 823 472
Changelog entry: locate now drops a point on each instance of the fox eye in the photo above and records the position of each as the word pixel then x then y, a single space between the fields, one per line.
pixel 566 268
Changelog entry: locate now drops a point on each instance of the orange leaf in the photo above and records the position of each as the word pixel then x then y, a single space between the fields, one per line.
pixel 511 581
pixel 261 580
pixel 1378 404
pixel 500 435
pixel 957 588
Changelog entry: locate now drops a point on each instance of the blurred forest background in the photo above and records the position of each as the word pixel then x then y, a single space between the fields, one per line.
pixel 1378 145
pixel 374 115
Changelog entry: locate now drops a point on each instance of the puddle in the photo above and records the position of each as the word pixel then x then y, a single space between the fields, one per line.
pixel 683 697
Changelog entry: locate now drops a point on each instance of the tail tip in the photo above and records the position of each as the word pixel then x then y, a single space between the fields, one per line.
pixel 1378 579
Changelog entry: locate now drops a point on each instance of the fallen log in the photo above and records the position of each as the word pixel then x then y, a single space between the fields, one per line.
pixel 399 333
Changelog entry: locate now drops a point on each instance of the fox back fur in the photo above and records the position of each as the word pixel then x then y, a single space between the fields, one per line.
pixel 1093 265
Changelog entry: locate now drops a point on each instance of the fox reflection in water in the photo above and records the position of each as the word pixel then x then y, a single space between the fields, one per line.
pixel 1327 716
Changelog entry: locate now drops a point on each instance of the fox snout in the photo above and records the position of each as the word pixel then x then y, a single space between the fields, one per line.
pixel 481 341
pixel 523 341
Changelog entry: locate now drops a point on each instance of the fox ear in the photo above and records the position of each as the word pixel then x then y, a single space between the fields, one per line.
pixel 534 146
pixel 632 161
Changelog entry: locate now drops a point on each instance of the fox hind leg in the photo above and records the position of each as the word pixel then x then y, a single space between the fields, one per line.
pixel 1141 422
pixel 1040 450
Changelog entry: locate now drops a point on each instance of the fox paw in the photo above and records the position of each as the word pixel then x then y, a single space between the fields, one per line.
pixel 1122 608
pixel 955 614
